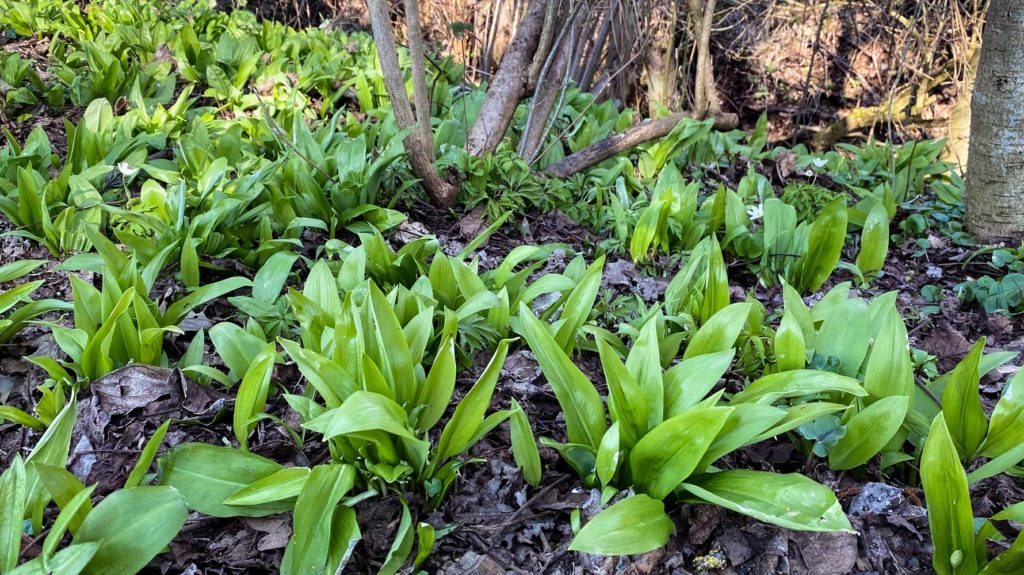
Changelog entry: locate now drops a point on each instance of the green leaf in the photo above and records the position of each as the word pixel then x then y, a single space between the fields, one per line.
pixel 790 348
pixel 961 404
pixel 284 484
pixel 469 413
pixel 645 362
pixel 670 452
pixel 402 545
pixel 362 411
pixel 252 394
pixel 578 306
pixel 626 402
pixel 132 526
pixel 824 246
pixel 70 517
pixel 524 446
pixel 307 551
pixel 845 334
pixel 890 369
pixel 579 400
pixel 14 494
pixel 146 458
pixel 868 432
pixel 435 394
pixel 206 475
pixel 609 455
pixel 791 501
pixel 797 383
pixel 874 240
pixel 635 525
pixel 1006 427
pixel 949 503
pixel 68 561
pixel 688 382
pixel 179 309
pixel 720 332
pixel 332 381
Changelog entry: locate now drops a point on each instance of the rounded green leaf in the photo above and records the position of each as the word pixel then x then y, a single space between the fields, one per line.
pixel 635 525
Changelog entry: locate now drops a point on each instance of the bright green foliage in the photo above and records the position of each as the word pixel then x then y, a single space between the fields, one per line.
pixel 666 428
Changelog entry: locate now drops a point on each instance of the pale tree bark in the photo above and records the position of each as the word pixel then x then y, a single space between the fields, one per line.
pixel 661 65
pixel 421 97
pixel 419 148
pixel 995 170
pixel 705 97
pixel 509 84
pixel 959 132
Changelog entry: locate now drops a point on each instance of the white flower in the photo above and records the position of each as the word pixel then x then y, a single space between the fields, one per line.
pixel 755 212
pixel 127 169
pixel 818 163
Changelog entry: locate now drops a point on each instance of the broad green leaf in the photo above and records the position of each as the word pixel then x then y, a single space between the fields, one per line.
pixel 961 404
pixel 688 382
pixel 132 526
pixel 797 383
pixel 635 525
pixel 68 561
pixel 332 381
pixel 645 362
pixel 670 452
pixel 890 369
pixel 272 275
pixel 1006 427
pixel 845 334
pixel 435 395
pixel 402 545
pixel 627 403
pixel 252 394
pixel 179 309
pixel 14 494
pixel 524 446
pixel 745 422
pixel 579 400
pixel 578 306
pixel 609 455
pixel 791 501
pixel 426 537
pixel 236 347
pixel 75 510
pixel 284 484
pixel 874 240
pixel 720 332
pixel 362 411
pixel 308 548
pixel 716 287
pixel 949 503
pixel 824 246
pixel 206 475
pixel 790 348
pixel 469 413
pixel 345 535
pixel 868 432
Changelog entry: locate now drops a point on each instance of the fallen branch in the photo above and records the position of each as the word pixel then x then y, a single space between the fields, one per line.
pixel 618 143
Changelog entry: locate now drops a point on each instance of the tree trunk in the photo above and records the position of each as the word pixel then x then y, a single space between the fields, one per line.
pixel 419 148
pixel 959 133
pixel 995 171
pixel 509 84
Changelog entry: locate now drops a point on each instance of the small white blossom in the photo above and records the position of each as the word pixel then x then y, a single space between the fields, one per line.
pixel 756 211
pixel 819 163
pixel 127 169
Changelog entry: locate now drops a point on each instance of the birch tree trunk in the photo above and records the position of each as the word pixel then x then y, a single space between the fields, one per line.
pixel 995 165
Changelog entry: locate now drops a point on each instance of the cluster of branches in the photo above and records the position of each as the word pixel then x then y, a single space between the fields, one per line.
pixel 557 41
